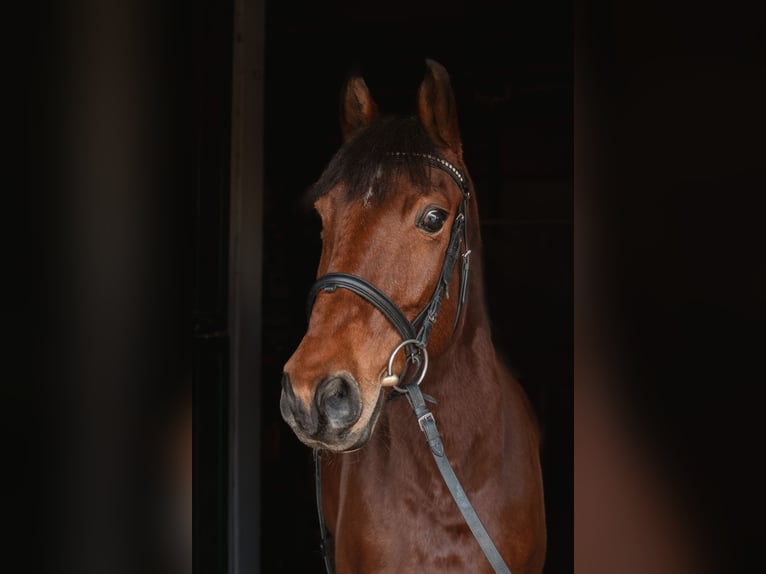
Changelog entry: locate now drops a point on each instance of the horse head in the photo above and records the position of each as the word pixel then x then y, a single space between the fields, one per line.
pixel 391 202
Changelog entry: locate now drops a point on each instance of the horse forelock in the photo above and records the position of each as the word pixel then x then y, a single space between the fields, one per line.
pixel 369 164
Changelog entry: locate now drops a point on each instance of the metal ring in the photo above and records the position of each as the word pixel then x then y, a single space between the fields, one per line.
pixel 421 346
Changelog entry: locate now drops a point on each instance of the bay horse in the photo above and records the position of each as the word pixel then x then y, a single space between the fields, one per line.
pixel 398 316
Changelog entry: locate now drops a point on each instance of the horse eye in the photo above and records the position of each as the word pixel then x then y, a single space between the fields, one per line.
pixel 432 220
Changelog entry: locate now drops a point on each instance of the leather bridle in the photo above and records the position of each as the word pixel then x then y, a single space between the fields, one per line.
pixel 415 336
pixel 425 320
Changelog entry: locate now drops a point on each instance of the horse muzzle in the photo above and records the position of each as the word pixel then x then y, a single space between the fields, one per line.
pixel 335 408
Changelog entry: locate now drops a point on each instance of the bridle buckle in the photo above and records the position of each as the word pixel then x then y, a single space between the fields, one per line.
pixel 426 417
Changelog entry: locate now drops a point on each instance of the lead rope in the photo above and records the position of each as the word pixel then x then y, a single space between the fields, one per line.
pixel 322 529
pixel 427 424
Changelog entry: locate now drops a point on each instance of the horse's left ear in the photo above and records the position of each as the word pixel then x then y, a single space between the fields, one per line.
pixel 437 109
pixel 358 109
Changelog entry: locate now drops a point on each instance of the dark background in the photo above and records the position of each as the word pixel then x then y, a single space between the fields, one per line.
pixel 671 278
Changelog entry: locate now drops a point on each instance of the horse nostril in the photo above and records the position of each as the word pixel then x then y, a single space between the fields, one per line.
pixel 338 401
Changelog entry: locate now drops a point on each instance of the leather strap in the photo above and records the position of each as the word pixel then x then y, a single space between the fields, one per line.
pixel 328 559
pixel 428 426
pixel 367 291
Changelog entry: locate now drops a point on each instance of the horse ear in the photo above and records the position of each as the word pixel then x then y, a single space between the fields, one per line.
pixel 437 109
pixel 358 109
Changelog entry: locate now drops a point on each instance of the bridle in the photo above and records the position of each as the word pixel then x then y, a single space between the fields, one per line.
pixel 415 338
pixel 425 320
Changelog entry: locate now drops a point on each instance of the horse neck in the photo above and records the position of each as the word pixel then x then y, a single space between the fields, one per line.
pixel 470 358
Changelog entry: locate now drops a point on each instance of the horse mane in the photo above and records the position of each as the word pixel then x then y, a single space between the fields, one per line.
pixel 369 163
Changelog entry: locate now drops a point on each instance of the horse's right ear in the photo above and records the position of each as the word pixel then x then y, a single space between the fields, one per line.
pixel 358 109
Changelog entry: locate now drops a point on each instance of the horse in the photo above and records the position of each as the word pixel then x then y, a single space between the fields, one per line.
pixel 398 315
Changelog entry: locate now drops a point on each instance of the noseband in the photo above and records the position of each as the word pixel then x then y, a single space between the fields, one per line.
pixel 415 337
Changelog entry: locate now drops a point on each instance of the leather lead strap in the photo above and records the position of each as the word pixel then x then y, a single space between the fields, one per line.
pixel 428 426
pixel 322 529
